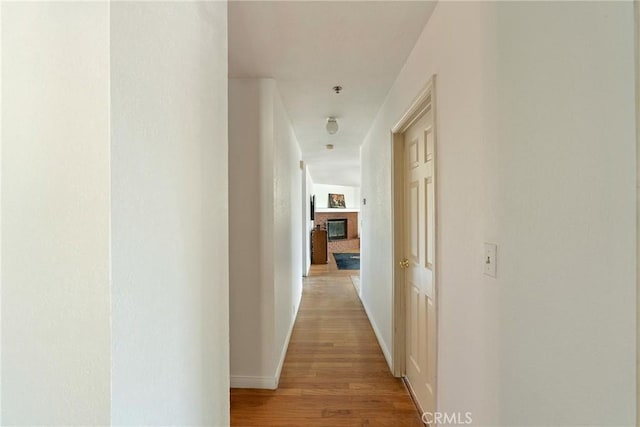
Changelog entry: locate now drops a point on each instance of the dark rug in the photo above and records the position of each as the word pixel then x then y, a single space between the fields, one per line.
pixel 347 261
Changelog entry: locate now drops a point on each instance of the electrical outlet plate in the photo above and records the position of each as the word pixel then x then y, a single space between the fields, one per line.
pixel 490 259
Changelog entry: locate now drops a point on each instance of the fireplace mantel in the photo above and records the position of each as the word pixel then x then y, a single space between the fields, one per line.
pixel 335 210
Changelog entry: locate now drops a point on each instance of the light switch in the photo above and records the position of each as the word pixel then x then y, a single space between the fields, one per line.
pixel 490 259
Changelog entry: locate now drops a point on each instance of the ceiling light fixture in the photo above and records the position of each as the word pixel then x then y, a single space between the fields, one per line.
pixel 332 125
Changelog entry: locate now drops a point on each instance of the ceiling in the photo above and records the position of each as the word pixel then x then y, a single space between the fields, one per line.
pixel 310 46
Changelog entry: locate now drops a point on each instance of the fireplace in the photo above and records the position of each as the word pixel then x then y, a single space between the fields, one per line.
pixel 337 229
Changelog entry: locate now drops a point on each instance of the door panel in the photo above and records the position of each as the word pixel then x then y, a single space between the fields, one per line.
pixel 420 250
pixel 414 348
pixel 414 154
pixel 414 212
pixel 429 201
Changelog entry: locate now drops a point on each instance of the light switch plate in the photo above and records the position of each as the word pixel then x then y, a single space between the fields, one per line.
pixel 490 259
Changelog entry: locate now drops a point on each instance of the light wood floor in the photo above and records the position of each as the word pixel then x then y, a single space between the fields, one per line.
pixel 334 373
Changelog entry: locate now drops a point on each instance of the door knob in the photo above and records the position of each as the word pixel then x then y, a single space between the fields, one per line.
pixel 404 263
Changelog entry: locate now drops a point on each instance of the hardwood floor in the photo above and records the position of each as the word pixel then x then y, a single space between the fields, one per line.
pixel 334 373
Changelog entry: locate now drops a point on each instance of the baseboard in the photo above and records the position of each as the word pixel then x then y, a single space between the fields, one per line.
pixel 270 383
pixel 385 350
pixel 239 381
pixel 285 347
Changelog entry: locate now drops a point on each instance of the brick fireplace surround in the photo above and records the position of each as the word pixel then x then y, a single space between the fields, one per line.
pixel 352 242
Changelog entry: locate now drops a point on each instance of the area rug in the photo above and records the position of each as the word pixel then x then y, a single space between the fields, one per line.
pixel 348 261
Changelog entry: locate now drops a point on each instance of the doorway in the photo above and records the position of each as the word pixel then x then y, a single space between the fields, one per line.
pixel 415 249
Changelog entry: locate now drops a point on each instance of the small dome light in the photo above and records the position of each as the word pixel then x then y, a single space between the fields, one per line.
pixel 332 125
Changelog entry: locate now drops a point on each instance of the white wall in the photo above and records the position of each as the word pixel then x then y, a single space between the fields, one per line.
pixel 265 231
pixel 351 195
pixel 535 153
pixel 249 335
pixel 114 242
pixel 55 214
pixel 564 167
pixel 169 213
pixel 287 227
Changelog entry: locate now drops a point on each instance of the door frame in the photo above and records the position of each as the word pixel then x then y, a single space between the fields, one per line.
pixel 425 99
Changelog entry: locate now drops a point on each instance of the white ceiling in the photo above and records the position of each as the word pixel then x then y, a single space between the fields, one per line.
pixel 310 46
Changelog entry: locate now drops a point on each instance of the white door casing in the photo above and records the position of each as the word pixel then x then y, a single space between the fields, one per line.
pixel 415 249
pixel 419 239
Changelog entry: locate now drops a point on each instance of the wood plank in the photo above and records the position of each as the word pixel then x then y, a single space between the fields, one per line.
pixel 334 373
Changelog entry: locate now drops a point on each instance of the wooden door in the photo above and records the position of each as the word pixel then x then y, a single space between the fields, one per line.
pixel 419 253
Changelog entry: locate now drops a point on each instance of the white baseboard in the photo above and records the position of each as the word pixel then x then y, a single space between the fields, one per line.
pixel 383 346
pixel 239 381
pixel 270 383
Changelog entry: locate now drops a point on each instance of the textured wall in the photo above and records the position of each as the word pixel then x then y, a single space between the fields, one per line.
pixel 287 228
pixel 351 195
pixel 536 153
pixel 169 213
pixel 562 211
pixel 55 214
pixel 114 237
pixel 266 221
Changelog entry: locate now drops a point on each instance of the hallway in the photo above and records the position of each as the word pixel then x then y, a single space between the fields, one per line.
pixel 335 373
